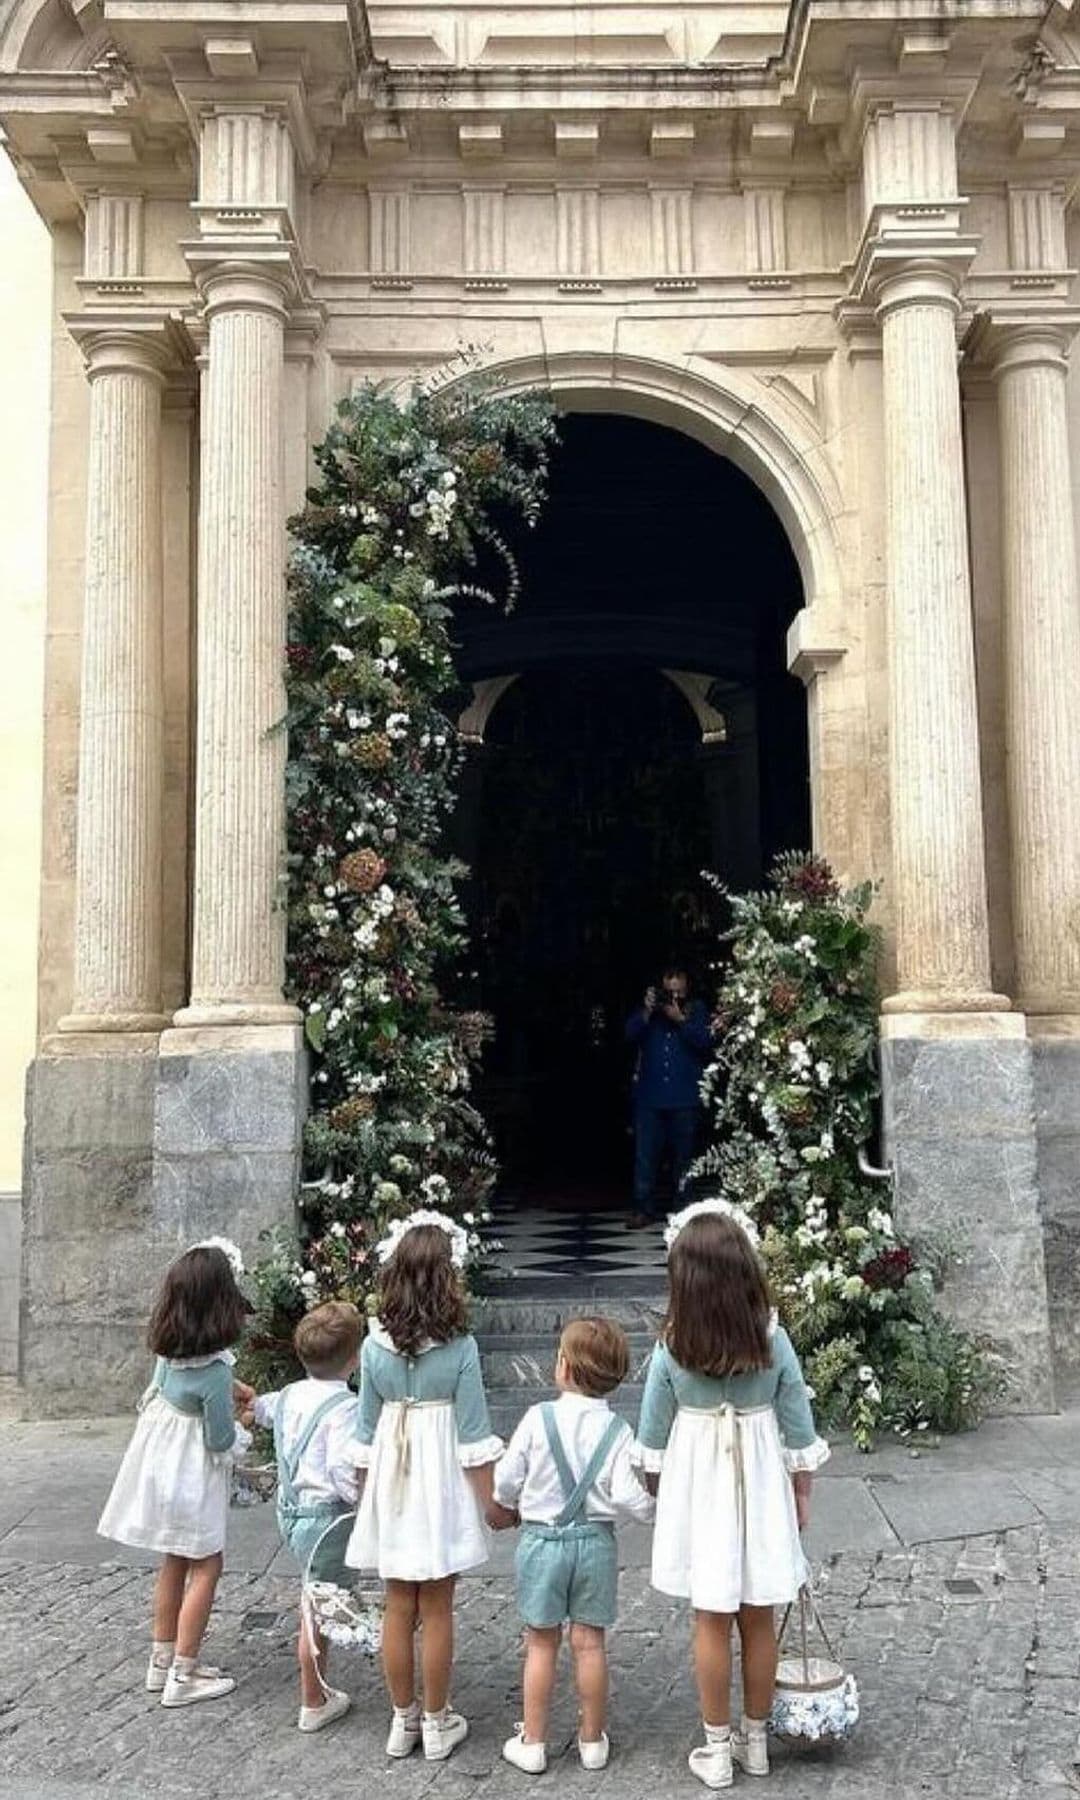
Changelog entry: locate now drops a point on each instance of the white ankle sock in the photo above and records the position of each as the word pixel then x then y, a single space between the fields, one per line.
pixel 717 1734
pixel 161 1653
pixel 437 1718
pixel 185 1665
pixel 754 1727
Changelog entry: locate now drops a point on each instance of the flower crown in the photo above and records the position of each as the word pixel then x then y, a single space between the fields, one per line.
pixel 228 1249
pixel 459 1237
pixel 721 1209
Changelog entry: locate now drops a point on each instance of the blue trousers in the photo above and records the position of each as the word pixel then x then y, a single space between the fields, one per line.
pixel 655 1129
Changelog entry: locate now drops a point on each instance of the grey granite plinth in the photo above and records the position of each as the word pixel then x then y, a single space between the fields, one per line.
pixel 1056 1068
pixel 960 1134
pixel 88 1258
pixel 228 1117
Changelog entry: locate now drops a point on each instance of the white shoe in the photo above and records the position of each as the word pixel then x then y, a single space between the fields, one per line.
pixel 185 1687
pixel 595 1755
pixel 335 1705
pixel 750 1749
pixel 711 1763
pixel 530 1758
pixel 442 1733
pixel 404 1731
pixel 157 1674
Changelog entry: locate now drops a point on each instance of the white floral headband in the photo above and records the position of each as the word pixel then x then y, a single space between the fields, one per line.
pixel 721 1209
pixel 459 1237
pixel 228 1249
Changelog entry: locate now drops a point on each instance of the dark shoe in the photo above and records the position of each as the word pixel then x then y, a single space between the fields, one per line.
pixel 638 1221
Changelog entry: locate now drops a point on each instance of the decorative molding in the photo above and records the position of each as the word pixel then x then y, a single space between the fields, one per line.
pixel 577 231
pixel 766 232
pixel 246 158
pixel 485 230
pixel 909 154
pixel 113 243
pixel 1037 227
pixel 389 230
pixel 480 140
pixel 671 138
pixel 576 141
pixel 672 230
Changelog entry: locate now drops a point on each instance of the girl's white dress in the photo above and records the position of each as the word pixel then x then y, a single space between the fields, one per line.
pixel 422 1421
pixel 726 1530
pixel 171 1492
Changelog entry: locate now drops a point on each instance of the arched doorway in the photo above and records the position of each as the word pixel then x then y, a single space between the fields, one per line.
pixel 633 723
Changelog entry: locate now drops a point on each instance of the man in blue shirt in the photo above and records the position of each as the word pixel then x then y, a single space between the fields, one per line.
pixel 672 1036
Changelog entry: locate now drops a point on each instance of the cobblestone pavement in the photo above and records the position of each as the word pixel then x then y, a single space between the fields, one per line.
pixel 966 1653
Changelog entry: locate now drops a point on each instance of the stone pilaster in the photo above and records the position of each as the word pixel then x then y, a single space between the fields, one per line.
pixel 942 933
pixel 117 980
pixel 1042 663
pixel 238 940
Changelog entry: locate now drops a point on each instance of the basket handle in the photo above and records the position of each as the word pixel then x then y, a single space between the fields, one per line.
pixel 808 1614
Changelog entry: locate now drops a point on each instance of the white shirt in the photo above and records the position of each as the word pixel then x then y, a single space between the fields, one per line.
pixel 327 1469
pixel 527 1480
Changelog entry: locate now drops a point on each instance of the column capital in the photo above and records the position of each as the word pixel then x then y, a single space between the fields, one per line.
pixel 912 256
pixel 1030 339
pixel 146 341
pixel 241 276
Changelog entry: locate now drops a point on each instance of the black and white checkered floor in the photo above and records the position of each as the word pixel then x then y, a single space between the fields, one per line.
pixel 544 1246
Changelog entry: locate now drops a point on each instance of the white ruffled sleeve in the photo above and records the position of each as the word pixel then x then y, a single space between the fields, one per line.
pixel 484 1450
pixel 808 1458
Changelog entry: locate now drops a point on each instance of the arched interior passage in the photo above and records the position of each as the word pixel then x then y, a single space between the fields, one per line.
pixel 633 723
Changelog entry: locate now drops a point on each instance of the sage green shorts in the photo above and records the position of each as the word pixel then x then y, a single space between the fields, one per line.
pixel 327 1535
pixel 567 1572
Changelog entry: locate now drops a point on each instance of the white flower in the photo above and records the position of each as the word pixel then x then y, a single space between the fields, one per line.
pixel 459 1238
pixel 337 1229
pixel 308 1278
pixel 228 1249
pixel 717 1208
pixel 343 653
pixel 880 1221
pixel 823 1071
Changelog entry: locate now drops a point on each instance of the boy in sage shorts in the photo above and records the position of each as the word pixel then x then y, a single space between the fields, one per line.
pixel 565 1475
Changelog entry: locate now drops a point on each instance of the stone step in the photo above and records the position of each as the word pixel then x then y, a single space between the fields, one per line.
pixel 506 1408
pixel 510 1314
pixel 525 1359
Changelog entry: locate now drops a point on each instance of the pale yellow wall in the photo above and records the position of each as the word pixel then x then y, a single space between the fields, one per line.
pixel 24 383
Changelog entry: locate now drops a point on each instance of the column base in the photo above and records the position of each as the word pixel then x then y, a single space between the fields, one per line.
pixel 228 1123
pixel 927 1000
pixel 211 1013
pixel 89 1024
pixel 959 1108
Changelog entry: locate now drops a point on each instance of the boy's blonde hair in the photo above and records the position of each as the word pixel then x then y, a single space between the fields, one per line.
pixel 327 1337
pixel 596 1354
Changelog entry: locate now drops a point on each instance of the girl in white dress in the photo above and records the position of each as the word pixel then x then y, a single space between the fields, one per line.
pixel 425 1444
pixel 727 1442
pixel 172 1490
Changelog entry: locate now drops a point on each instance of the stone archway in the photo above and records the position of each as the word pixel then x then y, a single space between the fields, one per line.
pixel 768 435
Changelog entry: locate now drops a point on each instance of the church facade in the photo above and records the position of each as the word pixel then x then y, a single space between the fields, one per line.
pixel 831 242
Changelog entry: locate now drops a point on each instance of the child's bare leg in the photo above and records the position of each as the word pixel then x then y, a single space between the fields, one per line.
pixel 399 1627
pixel 758 1633
pixel 311 1653
pixel 541 1658
pixel 203 1577
pixel 712 1665
pixel 589 1647
pixel 436 1601
pixel 168 1598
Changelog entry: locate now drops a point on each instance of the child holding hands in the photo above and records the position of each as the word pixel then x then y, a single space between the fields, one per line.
pixel 727 1440
pixel 566 1474
pixel 172 1489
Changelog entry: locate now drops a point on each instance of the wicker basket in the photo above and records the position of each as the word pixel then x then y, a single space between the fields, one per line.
pixel 349 1617
pixel 816 1701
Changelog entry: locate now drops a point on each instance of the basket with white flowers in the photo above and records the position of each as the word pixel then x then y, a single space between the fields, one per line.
pixel 817 1700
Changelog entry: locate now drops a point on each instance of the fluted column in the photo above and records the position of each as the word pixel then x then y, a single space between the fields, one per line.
pixel 117 976
pixel 238 943
pixel 942 940
pixel 1042 665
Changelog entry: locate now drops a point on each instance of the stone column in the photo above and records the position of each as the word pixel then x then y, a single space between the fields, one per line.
pixel 238 943
pixel 942 939
pixel 1042 664
pixel 117 979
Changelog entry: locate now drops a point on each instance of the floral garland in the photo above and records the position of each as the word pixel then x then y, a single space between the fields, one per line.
pixel 792 1091
pixel 413 493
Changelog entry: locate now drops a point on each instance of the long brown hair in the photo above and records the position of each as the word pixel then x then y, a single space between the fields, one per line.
pixel 199 1309
pixel 422 1299
pixel 718 1310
